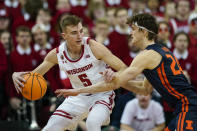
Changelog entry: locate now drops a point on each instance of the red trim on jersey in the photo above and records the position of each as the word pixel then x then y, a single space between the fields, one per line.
pixel 88 39
pixel 63 115
pixel 109 105
pixel 104 103
pixel 62 112
pixel 77 59
pixel 57 49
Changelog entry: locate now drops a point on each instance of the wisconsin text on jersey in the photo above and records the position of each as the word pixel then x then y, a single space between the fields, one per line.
pixel 79 70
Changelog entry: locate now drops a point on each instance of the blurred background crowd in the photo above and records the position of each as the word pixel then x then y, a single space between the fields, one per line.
pixel 29 29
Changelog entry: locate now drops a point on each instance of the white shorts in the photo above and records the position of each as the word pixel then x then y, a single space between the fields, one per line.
pixel 76 108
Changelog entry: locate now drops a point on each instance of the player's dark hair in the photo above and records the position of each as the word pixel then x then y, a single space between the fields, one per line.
pixel 70 20
pixel 147 21
pixel 22 29
pixel 181 33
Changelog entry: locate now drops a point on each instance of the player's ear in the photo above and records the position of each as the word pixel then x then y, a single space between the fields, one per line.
pixel 63 35
pixel 145 33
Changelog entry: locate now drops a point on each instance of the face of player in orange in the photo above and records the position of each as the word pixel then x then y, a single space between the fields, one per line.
pixel 73 35
pixel 137 36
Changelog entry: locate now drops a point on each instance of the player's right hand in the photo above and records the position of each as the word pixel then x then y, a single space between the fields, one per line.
pixel 18 80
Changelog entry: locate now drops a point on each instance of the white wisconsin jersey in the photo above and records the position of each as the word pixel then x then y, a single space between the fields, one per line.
pixel 83 71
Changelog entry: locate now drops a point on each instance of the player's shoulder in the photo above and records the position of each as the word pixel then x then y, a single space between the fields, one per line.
pixel 98 49
pixel 51 56
pixel 147 56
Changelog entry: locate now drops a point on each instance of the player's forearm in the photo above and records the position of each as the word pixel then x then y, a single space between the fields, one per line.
pixel 136 87
pixel 99 87
pixel 159 127
pixel 43 68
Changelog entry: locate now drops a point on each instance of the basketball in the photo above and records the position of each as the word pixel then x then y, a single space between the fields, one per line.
pixel 35 86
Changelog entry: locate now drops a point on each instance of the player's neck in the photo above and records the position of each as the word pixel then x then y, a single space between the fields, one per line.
pixel 74 52
pixel 147 43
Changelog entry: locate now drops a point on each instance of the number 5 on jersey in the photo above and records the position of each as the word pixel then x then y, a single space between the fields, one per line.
pixel 83 78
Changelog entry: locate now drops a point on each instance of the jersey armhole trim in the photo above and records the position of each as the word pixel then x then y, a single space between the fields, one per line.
pixel 88 39
pixel 57 50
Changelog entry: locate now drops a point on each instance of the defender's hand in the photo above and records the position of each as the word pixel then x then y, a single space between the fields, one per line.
pixel 67 92
pixel 109 75
pixel 18 80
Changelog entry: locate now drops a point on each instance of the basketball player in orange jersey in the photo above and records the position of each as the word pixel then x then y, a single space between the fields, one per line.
pixel 81 58
pixel 162 71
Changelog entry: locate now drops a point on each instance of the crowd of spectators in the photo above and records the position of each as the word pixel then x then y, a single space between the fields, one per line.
pixel 29 29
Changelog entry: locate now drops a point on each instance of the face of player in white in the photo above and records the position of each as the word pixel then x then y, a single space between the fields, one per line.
pixel 73 36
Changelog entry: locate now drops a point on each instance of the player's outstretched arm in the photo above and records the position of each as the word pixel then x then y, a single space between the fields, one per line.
pixel 49 61
pixel 142 61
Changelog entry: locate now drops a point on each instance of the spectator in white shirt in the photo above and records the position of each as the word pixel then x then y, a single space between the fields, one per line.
pixel 143 114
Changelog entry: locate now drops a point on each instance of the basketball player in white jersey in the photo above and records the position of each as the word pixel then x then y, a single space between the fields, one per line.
pixel 82 59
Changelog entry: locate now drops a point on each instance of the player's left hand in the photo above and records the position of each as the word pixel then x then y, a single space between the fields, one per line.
pixel 108 74
pixel 66 92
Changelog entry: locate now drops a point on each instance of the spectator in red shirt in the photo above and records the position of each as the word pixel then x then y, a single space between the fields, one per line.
pixel 119 37
pixel 101 31
pixel 44 17
pixel 80 8
pixel 180 23
pixel 4 19
pixel 170 11
pixel 193 30
pixel 136 6
pixel 153 8
pixel 110 15
pixel 5 39
pixel 164 34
